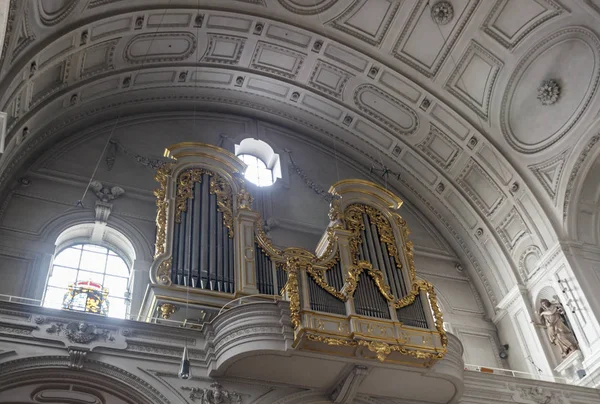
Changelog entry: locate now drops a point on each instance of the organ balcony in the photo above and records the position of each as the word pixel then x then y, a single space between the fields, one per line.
pixel 356 302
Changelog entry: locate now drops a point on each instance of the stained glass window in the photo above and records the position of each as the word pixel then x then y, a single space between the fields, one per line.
pixel 91 278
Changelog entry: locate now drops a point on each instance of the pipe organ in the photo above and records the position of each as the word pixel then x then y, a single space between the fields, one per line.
pixel 357 294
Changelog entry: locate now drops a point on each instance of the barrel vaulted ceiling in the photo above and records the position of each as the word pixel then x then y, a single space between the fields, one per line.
pixel 450 97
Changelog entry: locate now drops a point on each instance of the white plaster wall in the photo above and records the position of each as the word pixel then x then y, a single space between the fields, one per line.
pixel 36 214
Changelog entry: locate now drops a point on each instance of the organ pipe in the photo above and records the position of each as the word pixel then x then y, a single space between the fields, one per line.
pixel 202 246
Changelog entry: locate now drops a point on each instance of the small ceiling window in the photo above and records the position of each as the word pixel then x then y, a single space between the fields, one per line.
pixel 263 163
pixel 89 278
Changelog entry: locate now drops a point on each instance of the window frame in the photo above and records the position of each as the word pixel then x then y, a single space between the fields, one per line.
pixel 109 251
pixel 266 167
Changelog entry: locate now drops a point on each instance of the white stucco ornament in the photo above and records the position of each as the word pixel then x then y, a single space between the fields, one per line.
pixel 442 12
pixel 548 92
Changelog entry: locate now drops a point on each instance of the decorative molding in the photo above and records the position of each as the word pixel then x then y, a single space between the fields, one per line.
pixel 304 8
pixel 107 64
pixel 512 229
pixel 329 79
pixel 78 332
pixel 525 62
pixel 24 34
pixel 54 17
pixel 449 41
pixel 213 395
pixel 481 177
pixel 365 9
pixel 402 111
pixel 189 38
pixel 509 42
pixel 524 270
pixel 440 148
pixel 266 53
pixel 478 103
pixel 550 172
pixel 215 54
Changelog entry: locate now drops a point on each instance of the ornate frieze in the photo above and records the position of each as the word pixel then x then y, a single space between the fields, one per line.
pixel 216 394
pixel 80 332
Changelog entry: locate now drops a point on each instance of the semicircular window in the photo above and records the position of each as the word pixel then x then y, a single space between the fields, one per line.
pixel 263 165
pixel 89 278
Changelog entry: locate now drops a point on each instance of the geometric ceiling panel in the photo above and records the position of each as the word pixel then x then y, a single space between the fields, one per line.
pixel 160 47
pixel 473 79
pixel 386 109
pixel 367 20
pixel 511 20
pixel 480 187
pixel 307 7
pixel 423 44
pixel 529 125
pixel 224 49
pixel 512 229
pixel 550 172
pixel 23 34
pixel 277 60
pixel 53 12
pixel 328 78
pixel 440 148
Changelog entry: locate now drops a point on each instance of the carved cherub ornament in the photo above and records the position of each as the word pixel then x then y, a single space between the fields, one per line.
pixel 106 194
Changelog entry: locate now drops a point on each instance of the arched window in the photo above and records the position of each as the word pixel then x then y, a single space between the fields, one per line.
pixel 89 278
pixel 263 163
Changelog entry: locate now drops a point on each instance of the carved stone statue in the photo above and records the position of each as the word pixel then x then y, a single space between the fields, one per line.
pixel 555 321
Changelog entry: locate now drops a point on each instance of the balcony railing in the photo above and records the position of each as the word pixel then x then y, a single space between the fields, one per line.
pixel 516 373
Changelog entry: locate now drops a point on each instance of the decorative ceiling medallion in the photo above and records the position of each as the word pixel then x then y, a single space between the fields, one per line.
pixel 530 126
pixel 548 92
pixel 442 12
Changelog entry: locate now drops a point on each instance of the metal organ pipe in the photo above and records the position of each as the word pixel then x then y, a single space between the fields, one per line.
pixel 230 279
pixel 202 248
pixel 219 240
pixel 212 241
pixel 204 231
pixel 197 236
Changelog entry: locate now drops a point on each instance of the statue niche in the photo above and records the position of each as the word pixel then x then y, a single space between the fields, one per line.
pixel 557 326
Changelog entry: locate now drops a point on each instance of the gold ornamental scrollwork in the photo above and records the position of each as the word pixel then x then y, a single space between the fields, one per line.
pixel 218 186
pixel 162 175
pixel 292 289
pixel 163 274
pixel 354 223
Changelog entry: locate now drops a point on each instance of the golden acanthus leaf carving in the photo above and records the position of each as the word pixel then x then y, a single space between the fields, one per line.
pixel 162 175
pixel 218 186
pixel 293 290
pixel 354 223
pixel 318 275
pixel 163 274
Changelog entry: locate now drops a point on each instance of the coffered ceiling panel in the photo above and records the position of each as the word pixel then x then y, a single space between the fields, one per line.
pixel 570 57
pixel 423 44
pixel 511 20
